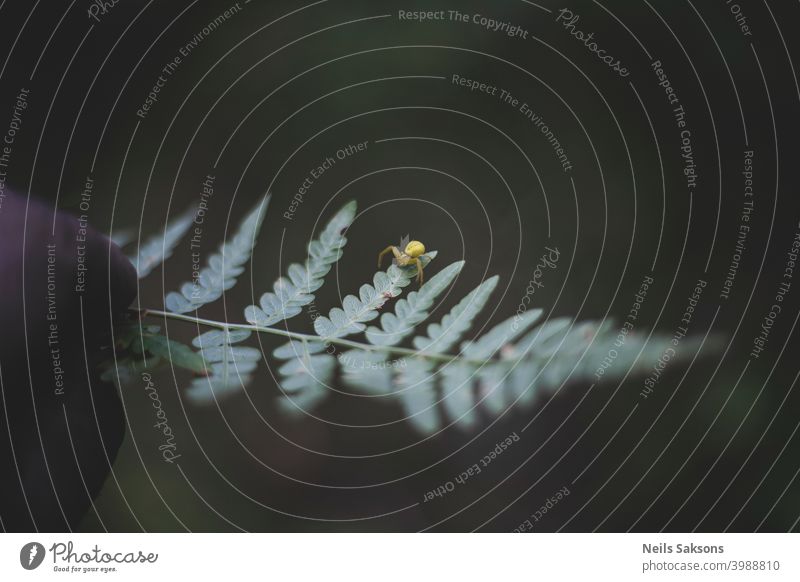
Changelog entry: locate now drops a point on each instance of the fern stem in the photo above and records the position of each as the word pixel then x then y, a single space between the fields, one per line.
pixel 305 337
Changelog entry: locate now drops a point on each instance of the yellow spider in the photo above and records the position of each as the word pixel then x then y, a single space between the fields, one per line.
pixel 409 256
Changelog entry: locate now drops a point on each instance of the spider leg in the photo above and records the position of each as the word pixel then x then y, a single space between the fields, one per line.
pixel 419 271
pixel 387 250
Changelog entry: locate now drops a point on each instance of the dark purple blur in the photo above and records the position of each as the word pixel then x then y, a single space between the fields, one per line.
pixel 60 427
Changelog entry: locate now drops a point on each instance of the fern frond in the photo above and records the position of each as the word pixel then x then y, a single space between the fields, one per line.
pixel 297 290
pixel 500 335
pixel 458 401
pixel 444 335
pixel 305 375
pixel 410 312
pixel 356 311
pixel 177 353
pixel 143 348
pixel 435 384
pixel 367 371
pixel 126 369
pixel 222 268
pixel 458 398
pixel 228 367
pixel 495 372
pixel 159 247
pixel 122 238
pixel 418 397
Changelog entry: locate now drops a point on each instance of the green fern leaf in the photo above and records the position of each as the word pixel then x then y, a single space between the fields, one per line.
pixel 222 268
pixel 356 311
pixel 500 335
pixel 127 369
pixel 122 238
pixel 520 382
pixel 368 372
pixel 413 310
pixel 160 247
pixel 458 400
pixel 544 340
pixel 228 367
pixel 493 392
pixel 297 290
pixel 305 375
pixel 179 354
pixel 418 396
pixel 297 349
pixel 444 335
pixel 299 373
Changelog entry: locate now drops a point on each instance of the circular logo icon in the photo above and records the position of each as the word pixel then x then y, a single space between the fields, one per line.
pixel 31 555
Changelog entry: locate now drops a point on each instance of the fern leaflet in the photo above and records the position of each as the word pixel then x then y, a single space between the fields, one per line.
pixel 159 247
pixel 291 294
pixel 410 312
pixel 356 311
pixel 222 268
pixel 228 367
pixel 444 335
